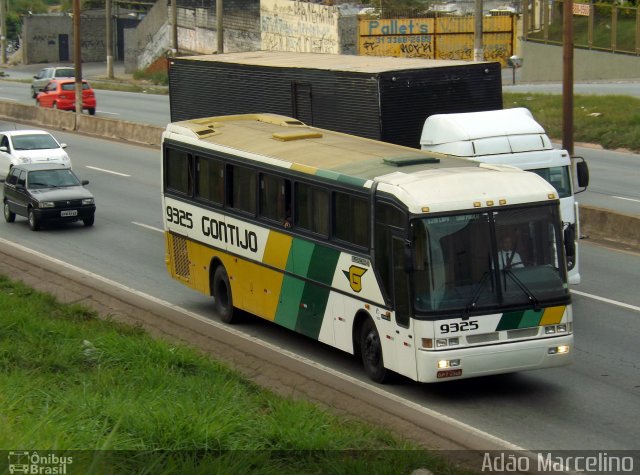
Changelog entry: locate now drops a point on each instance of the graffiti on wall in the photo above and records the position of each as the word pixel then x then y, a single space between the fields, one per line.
pixel 299 26
pixel 444 38
pixel 409 38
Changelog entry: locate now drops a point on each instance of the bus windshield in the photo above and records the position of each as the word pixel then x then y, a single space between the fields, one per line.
pixel 488 260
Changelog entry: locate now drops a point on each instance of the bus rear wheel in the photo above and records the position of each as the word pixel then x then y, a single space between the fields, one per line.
pixel 371 352
pixel 223 300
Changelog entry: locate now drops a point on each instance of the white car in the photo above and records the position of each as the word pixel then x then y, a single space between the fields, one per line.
pixel 30 146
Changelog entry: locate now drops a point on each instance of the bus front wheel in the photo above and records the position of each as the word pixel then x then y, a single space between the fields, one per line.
pixel 223 300
pixel 371 352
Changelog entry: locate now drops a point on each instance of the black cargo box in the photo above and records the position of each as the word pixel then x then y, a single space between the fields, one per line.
pixel 381 98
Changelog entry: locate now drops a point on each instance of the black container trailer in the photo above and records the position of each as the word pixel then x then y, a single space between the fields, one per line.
pixel 381 98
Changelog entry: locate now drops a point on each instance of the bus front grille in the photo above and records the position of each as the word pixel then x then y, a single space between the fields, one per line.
pixel 483 338
pixel 522 333
pixel 181 257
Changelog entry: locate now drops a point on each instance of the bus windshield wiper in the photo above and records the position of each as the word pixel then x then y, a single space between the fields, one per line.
pixel 476 295
pixel 524 288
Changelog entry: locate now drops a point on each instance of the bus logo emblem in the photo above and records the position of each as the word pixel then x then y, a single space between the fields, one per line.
pixel 355 277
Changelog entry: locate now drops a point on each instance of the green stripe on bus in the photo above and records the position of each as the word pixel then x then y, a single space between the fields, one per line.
pixel 303 302
pixel 323 264
pixel 531 318
pixel 347 179
pixel 289 305
pixel 510 320
pixel 520 319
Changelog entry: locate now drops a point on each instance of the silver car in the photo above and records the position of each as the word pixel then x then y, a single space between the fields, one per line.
pixel 45 75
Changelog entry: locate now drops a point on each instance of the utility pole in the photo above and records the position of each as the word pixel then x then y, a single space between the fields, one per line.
pixel 567 77
pixel 478 53
pixel 109 25
pixel 220 32
pixel 3 30
pixel 174 27
pixel 77 57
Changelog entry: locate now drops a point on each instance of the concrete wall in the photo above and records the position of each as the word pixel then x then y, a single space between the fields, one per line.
pixel 42 35
pixel 544 63
pixel 152 39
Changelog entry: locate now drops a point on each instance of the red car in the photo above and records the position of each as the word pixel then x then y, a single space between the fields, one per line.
pixel 61 94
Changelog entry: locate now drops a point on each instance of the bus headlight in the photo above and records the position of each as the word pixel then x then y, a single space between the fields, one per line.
pixel 442 364
pixel 558 350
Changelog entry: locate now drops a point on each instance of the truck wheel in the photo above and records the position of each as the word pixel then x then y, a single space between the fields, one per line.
pixel 223 300
pixel 371 351
pixel 34 222
pixel 9 215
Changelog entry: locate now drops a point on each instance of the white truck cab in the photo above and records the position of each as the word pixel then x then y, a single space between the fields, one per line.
pixel 513 137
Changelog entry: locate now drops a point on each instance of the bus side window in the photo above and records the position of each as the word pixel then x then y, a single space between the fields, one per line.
pixel 209 180
pixel 275 199
pixel 241 189
pixel 312 209
pixel 351 219
pixel 178 172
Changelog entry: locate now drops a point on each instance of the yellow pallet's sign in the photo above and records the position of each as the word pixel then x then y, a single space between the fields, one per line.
pixel 436 38
pixel 400 26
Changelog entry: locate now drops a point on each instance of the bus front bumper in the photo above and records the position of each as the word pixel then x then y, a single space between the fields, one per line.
pixel 471 362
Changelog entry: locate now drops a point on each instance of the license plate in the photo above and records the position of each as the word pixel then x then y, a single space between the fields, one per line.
pixel 69 212
pixel 449 373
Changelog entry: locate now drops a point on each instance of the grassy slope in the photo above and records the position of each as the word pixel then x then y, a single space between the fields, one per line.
pixel 71 381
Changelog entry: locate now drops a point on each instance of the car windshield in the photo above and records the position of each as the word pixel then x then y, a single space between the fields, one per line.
pixel 65 73
pixel 34 142
pixel 488 260
pixel 51 179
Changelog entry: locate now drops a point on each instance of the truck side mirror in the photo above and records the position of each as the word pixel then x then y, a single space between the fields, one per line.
pixel 582 173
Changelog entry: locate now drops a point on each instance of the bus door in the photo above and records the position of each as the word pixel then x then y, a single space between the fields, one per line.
pixel 405 342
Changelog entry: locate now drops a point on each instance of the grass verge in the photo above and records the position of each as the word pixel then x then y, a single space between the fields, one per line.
pixel 72 381
pixel 610 121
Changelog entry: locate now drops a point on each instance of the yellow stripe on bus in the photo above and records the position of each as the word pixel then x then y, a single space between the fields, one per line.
pixel 552 315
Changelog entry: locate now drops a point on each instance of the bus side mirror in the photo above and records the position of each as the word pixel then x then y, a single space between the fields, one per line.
pixel 582 173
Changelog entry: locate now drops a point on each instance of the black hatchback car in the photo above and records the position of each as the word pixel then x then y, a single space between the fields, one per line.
pixel 47 193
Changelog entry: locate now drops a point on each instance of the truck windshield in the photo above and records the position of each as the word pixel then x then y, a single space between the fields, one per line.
pixel 558 177
pixel 488 260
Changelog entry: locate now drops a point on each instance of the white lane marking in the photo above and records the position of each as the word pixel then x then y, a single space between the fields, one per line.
pixel 107 171
pixel 109 113
pixel 465 428
pixel 147 226
pixel 606 300
pixel 623 198
pixel 8 99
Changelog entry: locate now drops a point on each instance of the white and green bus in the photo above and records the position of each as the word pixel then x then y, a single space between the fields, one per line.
pixel 389 253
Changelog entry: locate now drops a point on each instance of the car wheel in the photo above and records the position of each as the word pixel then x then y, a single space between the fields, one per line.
pixel 34 222
pixel 223 301
pixel 92 111
pixel 9 215
pixel 88 221
pixel 371 351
